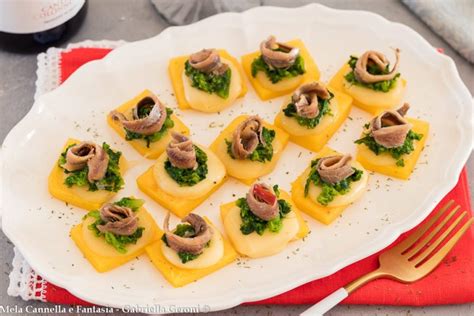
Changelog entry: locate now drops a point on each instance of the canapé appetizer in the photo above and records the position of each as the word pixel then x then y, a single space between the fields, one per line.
pixel 86 174
pixel 183 176
pixel 190 251
pixel 279 68
pixel 392 143
pixel 249 147
pixel 146 123
pixel 313 114
pixel 329 185
pixel 262 223
pixel 369 80
pixel 207 81
pixel 115 234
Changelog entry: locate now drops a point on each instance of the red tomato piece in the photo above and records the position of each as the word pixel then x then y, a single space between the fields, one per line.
pixel 264 195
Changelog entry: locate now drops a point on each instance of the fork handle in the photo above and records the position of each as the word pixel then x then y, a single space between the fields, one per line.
pixel 327 303
pixel 333 299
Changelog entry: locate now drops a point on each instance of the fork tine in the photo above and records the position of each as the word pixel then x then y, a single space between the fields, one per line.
pixel 410 240
pixel 431 263
pixel 425 253
pixel 423 242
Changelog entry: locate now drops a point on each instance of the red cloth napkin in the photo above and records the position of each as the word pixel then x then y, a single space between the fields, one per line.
pixel 452 282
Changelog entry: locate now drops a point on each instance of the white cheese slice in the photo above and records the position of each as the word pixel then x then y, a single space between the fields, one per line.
pixel 254 245
pixel 216 172
pixel 210 255
pixel 245 168
pixel 292 127
pixel 357 189
pixel 207 102
pixel 83 193
pixel 376 98
pixel 286 84
pixel 102 248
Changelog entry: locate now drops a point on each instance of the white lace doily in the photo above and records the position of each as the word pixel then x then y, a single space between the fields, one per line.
pixel 24 281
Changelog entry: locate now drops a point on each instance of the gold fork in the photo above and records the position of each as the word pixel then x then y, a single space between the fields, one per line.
pixel 412 259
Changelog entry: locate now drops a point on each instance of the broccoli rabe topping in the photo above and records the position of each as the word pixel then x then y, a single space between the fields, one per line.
pixel 143 112
pixel 397 152
pixel 277 74
pixel 209 82
pixel 184 230
pixel 251 223
pixel 383 86
pixel 112 181
pixel 189 177
pixel 131 203
pixel 263 152
pixel 119 242
pixel 310 123
pixel 329 191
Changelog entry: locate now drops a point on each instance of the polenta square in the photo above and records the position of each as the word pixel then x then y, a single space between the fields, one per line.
pixel 386 164
pixel 316 138
pixel 324 214
pixel 180 276
pixel 149 146
pixel 261 161
pixel 73 187
pixel 326 201
pixel 252 231
pixel 102 251
pixel 303 230
pixel 366 99
pixel 180 206
pixel 189 97
pixel 265 88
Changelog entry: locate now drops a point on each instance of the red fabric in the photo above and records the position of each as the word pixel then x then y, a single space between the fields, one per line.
pixel 452 282
pixel 77 57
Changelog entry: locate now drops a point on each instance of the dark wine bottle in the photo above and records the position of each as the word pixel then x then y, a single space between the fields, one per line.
pixel 31 26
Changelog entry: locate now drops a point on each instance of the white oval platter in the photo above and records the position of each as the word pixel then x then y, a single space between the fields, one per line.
pixel 39 225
